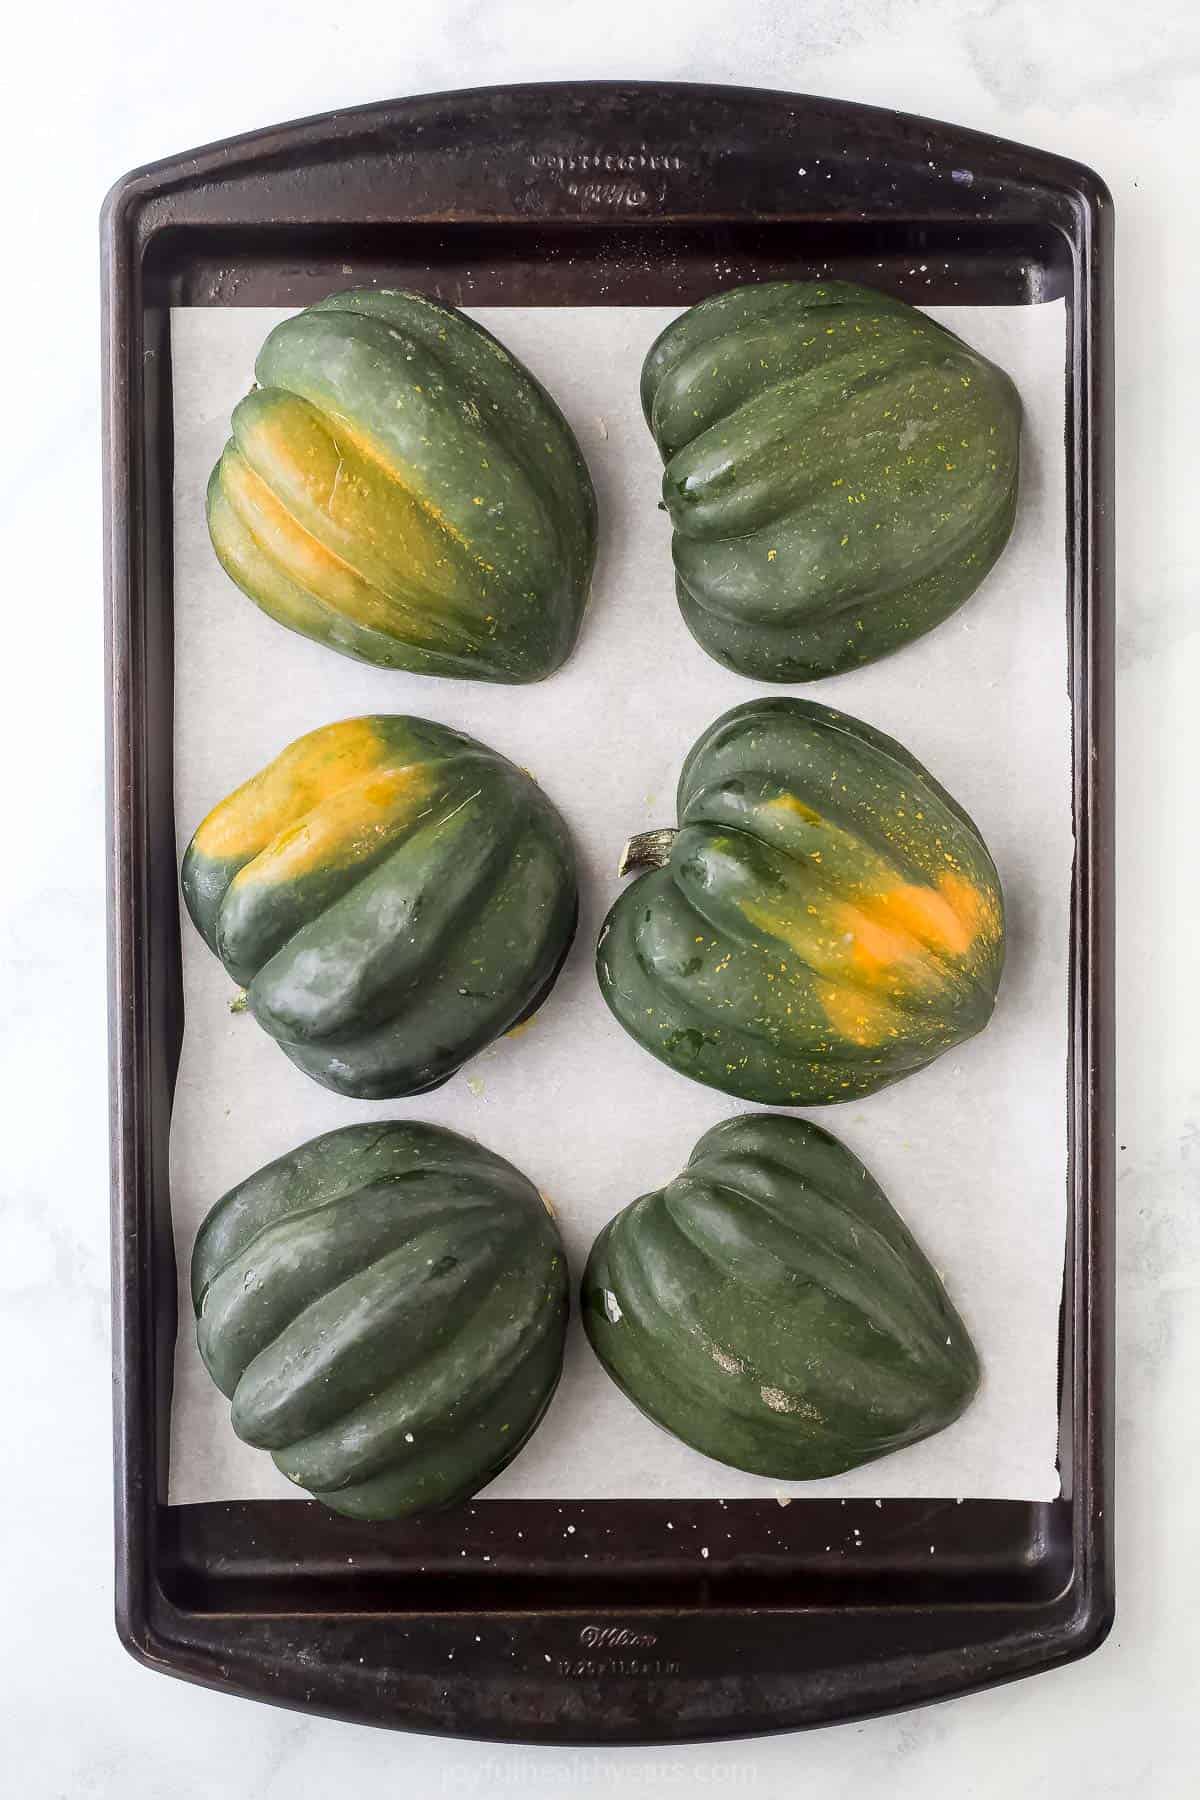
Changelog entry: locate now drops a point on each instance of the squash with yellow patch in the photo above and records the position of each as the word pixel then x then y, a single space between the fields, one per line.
pixel 400 488
pixel 825 920
pixel 392 896
pixel 770 1307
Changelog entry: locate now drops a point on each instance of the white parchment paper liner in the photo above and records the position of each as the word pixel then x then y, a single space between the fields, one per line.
pixel 972 1151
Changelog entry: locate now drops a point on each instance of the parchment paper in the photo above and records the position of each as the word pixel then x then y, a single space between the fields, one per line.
pixel 972 1151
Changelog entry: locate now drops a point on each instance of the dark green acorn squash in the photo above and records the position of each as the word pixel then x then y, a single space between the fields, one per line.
pixel 771 1309
pixel 385 1307
pixel 841 473
pixel 825 920
pixel 401 489
pixel 391 894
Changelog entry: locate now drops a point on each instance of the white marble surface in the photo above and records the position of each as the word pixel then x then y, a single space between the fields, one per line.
pixel 91 91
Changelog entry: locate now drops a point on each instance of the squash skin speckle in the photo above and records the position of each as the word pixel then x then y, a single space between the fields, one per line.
pixel 770 1308
pixel 840 471
pixel 827 919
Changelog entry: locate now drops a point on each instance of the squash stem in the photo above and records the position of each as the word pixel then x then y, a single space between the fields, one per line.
pixel 648 850
pixel 239 1002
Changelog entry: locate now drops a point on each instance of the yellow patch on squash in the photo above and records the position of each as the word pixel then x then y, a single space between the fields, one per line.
pixel 907 931
pixel 806 934
pixel 424 520
pixel 898 940
pixel 323 571
pixel 286 429
pixel 317 768
pixel 858 1016
pixel 788 803
pixel 344 828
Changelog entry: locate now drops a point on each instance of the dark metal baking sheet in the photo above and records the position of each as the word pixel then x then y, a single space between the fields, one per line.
pixel 590 194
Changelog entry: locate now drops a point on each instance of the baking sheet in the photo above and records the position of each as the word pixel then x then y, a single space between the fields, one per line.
pixel 972 1151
